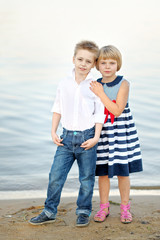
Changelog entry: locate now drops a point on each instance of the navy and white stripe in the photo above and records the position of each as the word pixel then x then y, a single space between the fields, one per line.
pixel 118 152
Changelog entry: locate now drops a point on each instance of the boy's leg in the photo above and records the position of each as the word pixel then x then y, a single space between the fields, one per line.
pixel 62 164
pixel 63 161
pixel 87 164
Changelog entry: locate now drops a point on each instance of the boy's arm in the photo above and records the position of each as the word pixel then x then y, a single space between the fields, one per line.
pixel 56 109
pixel 99 120
pixel 55 122
pixel 93 141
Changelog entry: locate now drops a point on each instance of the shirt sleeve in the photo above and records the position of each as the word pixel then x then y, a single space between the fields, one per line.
pixel 57 104
pixel 99 115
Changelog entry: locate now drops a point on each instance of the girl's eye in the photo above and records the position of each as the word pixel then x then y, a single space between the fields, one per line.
pixel 112 63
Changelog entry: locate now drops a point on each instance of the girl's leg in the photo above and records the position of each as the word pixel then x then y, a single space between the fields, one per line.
pixel 124 188
pixel 104 188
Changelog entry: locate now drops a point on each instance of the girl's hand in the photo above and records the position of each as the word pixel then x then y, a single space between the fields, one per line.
pixel 96 88
pixel 56 139
pixel 89 143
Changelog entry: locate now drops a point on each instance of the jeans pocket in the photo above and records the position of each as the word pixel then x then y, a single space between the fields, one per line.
pixel 63 135
pixel 89 135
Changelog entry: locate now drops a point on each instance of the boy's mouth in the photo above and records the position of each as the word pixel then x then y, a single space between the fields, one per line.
pixel 82 69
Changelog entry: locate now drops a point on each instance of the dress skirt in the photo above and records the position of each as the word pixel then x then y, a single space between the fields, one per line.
pixel 118 152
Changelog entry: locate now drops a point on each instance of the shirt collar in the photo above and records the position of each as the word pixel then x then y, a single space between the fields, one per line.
pixel 113 83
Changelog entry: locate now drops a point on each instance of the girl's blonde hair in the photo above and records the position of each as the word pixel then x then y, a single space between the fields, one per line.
pixel 87 45
pixel 110 52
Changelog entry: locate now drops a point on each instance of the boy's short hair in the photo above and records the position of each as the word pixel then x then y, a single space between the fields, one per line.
pixel 110 52
pixel 87 45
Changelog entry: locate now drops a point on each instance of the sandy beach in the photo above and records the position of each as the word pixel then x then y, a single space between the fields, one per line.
pixel 14 216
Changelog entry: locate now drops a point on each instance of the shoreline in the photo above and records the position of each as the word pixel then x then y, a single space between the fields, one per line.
pixel 145 187
pixel 29 194
pixel 14 216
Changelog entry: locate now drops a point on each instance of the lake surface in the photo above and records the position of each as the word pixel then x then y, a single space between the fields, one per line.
pixel 26 148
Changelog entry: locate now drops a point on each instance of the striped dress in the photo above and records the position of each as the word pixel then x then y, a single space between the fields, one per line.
pixel 118 152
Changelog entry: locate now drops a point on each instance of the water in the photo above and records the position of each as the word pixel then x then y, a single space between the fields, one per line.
pixel 26 148
pixel 36 50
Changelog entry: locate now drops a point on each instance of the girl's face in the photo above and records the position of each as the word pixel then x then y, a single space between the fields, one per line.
pixel 108 68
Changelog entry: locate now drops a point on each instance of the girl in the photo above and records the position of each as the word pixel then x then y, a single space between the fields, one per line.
pixel 118 152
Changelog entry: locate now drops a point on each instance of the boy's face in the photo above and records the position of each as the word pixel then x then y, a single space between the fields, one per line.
pixel 84 60
pixel 108 67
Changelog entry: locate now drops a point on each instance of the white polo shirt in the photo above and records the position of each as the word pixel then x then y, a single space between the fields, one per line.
pixel 79 107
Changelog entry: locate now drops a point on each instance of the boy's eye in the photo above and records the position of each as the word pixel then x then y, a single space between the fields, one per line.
pixel 79 59
pixel 88 61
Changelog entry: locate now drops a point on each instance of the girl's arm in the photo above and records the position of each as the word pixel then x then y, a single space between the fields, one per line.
pixel 55 122
pixel 121 101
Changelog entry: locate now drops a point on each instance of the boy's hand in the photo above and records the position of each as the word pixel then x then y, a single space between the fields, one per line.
pixel 89 143
pixel 56 139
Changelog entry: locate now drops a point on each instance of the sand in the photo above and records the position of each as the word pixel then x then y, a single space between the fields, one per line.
pixel 14 216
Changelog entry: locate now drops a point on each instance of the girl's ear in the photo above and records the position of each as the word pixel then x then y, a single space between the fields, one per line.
pixel 73 60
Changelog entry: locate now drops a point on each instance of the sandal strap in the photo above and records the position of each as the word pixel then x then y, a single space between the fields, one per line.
pixel 126 214
pixel 104 205
pixel 125 207
pixel 101 212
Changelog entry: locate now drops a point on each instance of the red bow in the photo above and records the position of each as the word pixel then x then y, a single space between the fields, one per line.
pixel 106 112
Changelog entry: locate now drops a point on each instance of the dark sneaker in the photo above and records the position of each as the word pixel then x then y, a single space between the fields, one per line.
pixel 41 219
pixel 82 220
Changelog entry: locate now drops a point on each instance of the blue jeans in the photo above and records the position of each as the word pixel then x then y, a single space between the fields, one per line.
pixel 63 161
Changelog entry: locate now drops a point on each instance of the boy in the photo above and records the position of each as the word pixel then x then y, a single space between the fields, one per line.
pixel 81 114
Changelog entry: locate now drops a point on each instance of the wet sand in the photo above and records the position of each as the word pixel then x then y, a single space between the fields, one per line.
pixel 14 216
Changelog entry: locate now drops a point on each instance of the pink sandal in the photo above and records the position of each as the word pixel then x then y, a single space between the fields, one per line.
pixel 101 214
pixel 126 216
